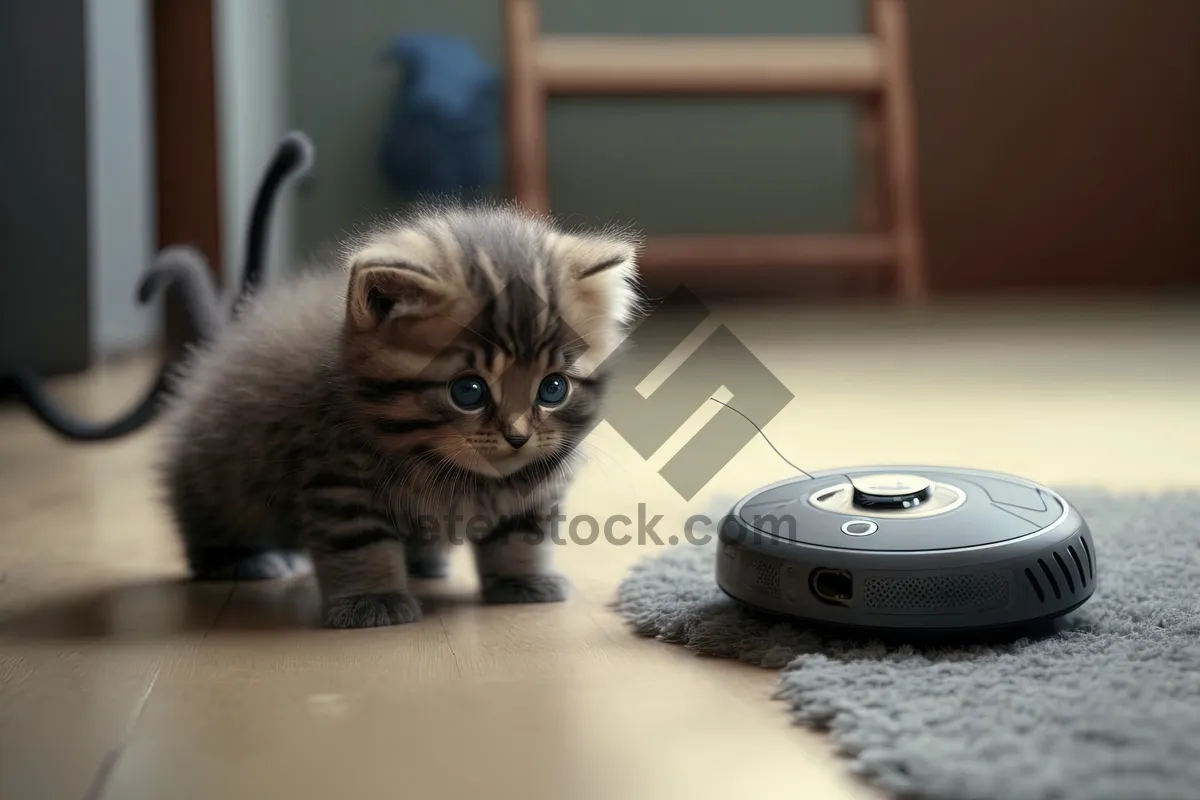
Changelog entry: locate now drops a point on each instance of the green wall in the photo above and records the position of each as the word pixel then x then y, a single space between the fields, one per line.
pixel 686 166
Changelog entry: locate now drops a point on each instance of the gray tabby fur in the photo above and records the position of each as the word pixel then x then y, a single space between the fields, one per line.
pixel 317 430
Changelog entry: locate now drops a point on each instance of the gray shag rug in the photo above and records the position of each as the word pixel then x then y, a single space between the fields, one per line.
pixel 1104 707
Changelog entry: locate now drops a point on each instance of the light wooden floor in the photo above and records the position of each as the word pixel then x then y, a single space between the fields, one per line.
pixel 119 681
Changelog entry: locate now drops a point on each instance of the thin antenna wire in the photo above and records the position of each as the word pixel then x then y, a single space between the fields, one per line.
pixel 764 436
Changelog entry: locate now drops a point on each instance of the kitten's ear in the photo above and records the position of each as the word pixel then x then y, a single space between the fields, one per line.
pixel 382 292
pixel 602 275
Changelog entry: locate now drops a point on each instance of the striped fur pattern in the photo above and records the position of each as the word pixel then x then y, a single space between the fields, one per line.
pixel 432 391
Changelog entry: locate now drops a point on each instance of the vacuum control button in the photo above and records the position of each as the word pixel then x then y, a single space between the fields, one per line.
pixel 859 527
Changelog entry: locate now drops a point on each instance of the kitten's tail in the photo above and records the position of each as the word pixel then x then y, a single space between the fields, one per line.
pixel 187 268
pixel 294 157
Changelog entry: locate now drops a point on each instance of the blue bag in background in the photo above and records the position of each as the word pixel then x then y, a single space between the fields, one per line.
pixel 443 130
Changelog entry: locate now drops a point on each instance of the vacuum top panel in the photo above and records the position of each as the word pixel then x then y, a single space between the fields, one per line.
pixel 901 509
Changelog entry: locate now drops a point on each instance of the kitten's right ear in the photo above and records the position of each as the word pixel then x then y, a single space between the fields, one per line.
pixel 383 292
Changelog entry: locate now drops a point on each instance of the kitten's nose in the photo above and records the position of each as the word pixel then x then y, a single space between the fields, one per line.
pixel 516 440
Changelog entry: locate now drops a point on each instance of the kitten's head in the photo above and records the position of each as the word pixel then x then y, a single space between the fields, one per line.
pixel 475 336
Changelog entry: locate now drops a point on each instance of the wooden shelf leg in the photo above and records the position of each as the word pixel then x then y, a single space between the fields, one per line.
pixel 873 215
pixel 527 155
pixel 900 137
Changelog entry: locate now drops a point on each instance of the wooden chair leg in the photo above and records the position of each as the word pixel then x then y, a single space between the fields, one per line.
pixel 900 143
pixel 871 216
pixel 529 183
pixel 872 212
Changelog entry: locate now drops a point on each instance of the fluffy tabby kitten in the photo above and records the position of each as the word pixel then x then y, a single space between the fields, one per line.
pixel 433 391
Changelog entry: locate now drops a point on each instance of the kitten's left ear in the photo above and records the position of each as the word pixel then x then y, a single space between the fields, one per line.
pixel 380 292
pixel 602 274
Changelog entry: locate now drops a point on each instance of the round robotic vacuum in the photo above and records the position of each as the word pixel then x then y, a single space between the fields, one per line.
pixel 907 547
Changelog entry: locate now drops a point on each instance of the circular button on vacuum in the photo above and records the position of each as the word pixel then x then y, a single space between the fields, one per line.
pixel 859 527
pixel 891 491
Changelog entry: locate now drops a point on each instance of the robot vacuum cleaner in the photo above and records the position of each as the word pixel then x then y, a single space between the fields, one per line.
pixel 907 547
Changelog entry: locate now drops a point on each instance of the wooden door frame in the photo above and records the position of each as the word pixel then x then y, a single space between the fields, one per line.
pixel 186 127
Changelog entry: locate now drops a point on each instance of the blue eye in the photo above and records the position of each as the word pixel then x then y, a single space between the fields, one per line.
pixel 469 394
pixel 553 390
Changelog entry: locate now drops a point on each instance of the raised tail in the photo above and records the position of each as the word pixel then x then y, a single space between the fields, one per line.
pixel 294 157
pixel 186 268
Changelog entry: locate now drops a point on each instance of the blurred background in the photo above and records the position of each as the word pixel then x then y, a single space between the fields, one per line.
pixel 1055 153
pixel 972 241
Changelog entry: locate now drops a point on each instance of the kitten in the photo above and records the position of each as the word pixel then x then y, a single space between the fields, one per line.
pixel 434 390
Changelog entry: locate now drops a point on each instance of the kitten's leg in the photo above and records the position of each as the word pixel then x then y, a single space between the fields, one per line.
pixel 515 563
pixel 358 556
pixel 215 553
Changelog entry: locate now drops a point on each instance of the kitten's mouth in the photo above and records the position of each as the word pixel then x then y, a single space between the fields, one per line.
pixel 512 465
pixel 508 464
pixel 495 467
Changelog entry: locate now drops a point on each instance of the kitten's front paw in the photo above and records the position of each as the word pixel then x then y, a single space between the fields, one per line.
pixel 526 589
pixel 372 611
